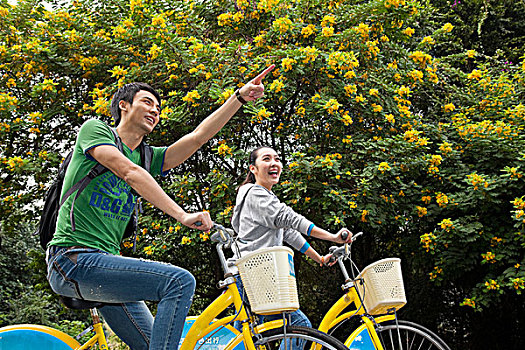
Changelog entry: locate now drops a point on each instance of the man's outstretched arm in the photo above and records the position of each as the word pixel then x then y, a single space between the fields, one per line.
pixel 183 148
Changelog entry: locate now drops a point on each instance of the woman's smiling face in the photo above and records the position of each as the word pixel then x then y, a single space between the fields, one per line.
pixel 267 168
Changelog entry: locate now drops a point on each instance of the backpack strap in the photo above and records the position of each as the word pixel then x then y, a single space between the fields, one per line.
pixel 97 170
pixel 146 155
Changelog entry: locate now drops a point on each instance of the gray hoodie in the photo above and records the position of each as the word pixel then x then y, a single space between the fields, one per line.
pixel 261 221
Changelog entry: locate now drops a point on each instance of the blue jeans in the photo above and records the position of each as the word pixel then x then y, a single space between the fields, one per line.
pixel 125 283
pixel 297 318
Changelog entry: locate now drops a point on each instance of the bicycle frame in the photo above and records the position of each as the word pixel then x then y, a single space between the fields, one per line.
pixel 335 315
pixel 207 323
pixel 99 337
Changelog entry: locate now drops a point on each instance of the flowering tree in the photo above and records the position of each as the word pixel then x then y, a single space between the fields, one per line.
pixel 380 128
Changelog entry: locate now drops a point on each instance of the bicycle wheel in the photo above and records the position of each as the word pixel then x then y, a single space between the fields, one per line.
pixel 408 336
pixel 297 338
pixel 30 337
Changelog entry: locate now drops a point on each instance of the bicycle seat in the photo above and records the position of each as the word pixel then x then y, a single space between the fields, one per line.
pixel 79 304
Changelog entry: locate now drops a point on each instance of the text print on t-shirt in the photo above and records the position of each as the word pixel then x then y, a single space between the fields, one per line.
pixel 108 194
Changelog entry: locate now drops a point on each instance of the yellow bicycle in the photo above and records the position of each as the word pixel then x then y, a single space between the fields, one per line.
pixel 376 293
pixel 201 334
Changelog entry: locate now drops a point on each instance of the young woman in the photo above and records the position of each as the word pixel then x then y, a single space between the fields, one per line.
pixel 262 220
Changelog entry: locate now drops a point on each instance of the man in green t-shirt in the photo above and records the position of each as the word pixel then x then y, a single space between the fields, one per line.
pixel 84 262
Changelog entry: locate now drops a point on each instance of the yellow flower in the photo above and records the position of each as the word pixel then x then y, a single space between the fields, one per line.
pixel 364 213
pixel 327 21
pixel 332 106
pixel 154 51
pixel 308 30
pixel 224 19
pixel 224 149
pixel 363 29
pixel 347 120
pixel 471 53
pixel 360 99
pixel 468 302
pixel 475 74
pixel 276 85
pixel 49 84
pixel 449 107
pixel 518 283
pixel 118 71
pixel 4 12
pixel 383 166
pixel 492 285
pixel 446 224
pixel 403 91
pixel 377 108
pixel 447 27
pixel 390 118
pixel 441 199
pixel 287 63
pixel 374 92
pixel 148 250
pixel 421 57
pixel 421 211
pixel 350 89
pixel 428 40
pixel 416 75
pixel 191 96
pixel 128 23
pixel 282 24
pixel 409 31
pixel 185 240
pixel 328 31
pixel 445 147
pixel 159 21
pixel 427 240
pixel 489 257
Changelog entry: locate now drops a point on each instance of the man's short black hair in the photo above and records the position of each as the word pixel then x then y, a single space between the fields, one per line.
pixel 127 93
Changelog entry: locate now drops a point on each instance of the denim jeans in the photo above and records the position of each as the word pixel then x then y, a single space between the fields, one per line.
pixel 125 283
pixel 297 318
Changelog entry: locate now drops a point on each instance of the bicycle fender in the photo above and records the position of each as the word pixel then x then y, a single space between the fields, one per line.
pixel 360 339
pixel 31 336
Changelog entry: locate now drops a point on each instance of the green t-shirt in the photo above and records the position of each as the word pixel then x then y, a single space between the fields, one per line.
pixel 104 208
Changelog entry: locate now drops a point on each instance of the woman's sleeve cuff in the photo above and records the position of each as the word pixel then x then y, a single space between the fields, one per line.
pixel 305 247
pixel 310 230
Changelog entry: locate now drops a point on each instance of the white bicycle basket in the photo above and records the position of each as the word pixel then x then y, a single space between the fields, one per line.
pixel 383 288
pixel 268 277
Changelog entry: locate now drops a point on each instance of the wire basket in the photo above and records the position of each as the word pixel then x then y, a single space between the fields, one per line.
pixel 383 289
pixel 268 277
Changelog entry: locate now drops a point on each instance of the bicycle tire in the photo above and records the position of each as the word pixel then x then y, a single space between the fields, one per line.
pixel 413 336
pixel 30 337
pixel 299 337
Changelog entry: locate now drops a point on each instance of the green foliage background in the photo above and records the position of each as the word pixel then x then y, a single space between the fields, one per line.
pixel 401 119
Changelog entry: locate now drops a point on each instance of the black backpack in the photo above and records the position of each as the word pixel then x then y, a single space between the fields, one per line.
pixel 47 225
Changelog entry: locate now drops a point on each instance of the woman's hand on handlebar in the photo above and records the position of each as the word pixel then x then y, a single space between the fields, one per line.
pixel 343 236
pixel 200 220
pixel 328 260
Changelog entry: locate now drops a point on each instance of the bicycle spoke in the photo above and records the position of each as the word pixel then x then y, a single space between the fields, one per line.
pixel 408 337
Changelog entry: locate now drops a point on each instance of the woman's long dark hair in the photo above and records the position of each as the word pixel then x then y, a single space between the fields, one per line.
pixel 250 177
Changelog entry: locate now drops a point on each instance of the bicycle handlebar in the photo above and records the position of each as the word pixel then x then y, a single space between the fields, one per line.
pixel 343 250
pixel 222 236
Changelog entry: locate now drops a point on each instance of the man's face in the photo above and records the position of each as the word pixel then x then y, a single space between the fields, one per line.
pixel 144 112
